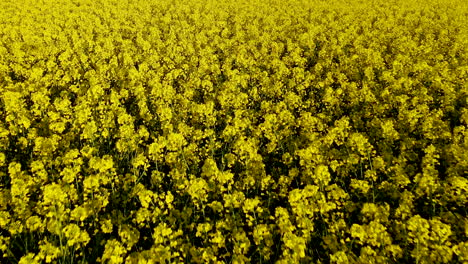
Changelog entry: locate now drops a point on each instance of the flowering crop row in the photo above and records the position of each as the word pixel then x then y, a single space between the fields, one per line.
pixel 206 131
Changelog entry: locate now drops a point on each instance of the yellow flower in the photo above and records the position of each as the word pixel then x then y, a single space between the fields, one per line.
pixel 113 252
pixel 2 159
pixel 129 235
pixel 34 223
pixel 29 258
pixel 106 226
pixel 76 236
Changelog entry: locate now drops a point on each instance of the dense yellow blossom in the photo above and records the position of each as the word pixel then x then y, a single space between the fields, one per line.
pixel 222 131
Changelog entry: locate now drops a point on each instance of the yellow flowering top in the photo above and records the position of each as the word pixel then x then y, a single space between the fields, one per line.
pixel 222 131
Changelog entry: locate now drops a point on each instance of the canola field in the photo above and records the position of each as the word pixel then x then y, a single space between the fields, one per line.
pixel 222 131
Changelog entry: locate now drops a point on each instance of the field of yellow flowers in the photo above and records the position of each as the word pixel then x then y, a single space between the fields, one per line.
pixel 222 131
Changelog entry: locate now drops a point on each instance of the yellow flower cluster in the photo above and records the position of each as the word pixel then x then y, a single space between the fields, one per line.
pixel 222 131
